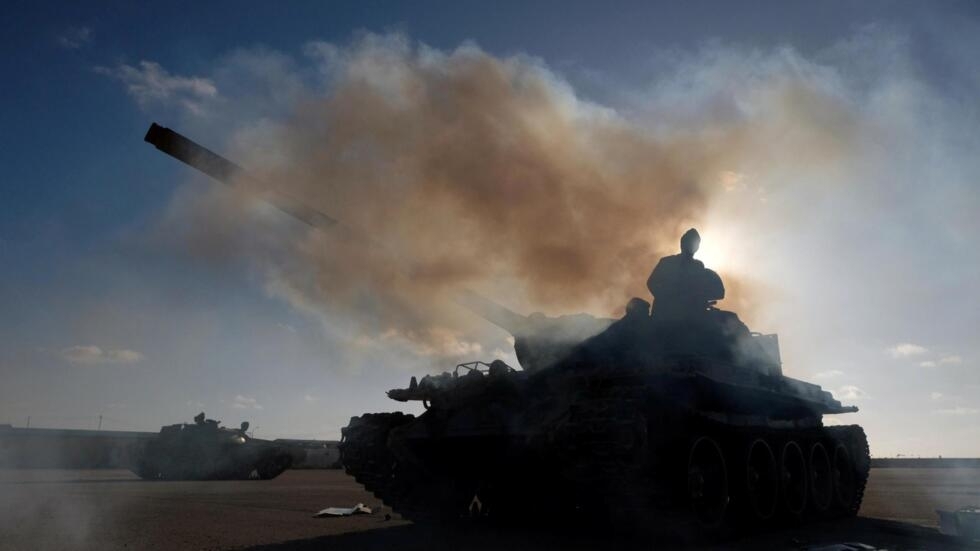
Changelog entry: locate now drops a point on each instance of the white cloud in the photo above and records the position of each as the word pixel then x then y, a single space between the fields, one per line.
pixel 936 395
pixel 245 402
pixel 150 83
pixel 958 411
pixel 75 37
pixel 945 360
pixel 91 354
pixel 309 398
pixel 829 374
pixel 850 392
pixel 906 349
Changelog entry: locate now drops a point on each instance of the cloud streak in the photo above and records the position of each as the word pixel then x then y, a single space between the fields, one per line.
pixel 75 38
pixel 94 355
pixel 850 392
pixel 149 83
pixel 906 350
pixel 245 402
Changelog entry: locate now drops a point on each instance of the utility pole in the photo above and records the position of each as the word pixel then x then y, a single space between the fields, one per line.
pixel 100 422
pixel 28 421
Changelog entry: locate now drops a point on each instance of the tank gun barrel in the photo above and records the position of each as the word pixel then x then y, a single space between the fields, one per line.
pixel 221 169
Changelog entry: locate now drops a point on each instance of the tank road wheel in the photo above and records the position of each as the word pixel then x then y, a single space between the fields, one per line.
pixel 845 487
pixel 821 479
pixel 793 479
pixel 707 483
pixel 762 481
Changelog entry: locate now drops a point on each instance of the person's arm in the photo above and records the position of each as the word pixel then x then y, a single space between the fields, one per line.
pixel 655 281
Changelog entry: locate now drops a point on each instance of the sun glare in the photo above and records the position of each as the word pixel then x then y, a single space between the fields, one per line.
pixel 717 250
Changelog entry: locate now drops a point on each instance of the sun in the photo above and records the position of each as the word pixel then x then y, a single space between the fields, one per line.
pixel 717 249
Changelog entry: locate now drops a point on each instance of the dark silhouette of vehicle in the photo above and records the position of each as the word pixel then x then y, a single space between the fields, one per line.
pixel 685 423
pixel 690 427
pixel 206 451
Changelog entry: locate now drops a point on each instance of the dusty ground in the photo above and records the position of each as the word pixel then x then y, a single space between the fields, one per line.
pixel 48 509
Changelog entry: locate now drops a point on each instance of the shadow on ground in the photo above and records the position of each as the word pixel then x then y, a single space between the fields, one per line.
pixel 874 532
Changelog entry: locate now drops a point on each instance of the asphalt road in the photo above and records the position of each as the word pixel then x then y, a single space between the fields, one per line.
pixel 51 509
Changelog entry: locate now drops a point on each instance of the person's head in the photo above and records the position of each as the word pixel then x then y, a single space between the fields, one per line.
pixel 637 307
pixel 690 242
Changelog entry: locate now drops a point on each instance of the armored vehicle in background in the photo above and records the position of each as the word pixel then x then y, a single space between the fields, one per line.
pixel 206 451
pixel 685 424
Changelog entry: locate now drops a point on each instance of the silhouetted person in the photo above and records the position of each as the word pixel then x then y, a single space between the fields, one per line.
pixel 637 308
pixel 682 287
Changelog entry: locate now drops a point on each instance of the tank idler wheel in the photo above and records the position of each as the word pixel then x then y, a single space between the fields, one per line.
pixel 793 479
pixel 821 479
pixel 845 487
pixel 762 481
pixel 707 483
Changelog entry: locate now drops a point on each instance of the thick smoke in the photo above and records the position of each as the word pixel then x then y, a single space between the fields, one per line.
pixel 462 169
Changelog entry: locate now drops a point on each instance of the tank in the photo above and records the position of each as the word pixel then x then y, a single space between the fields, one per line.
pixel 205 450
pixel 690 427
pixel 686 425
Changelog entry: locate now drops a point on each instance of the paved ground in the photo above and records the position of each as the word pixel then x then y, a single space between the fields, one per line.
pixel 49 509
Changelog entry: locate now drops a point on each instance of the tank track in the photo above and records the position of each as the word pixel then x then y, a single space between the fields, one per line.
pixel 598 435
pixel 856 440
pixel 602 465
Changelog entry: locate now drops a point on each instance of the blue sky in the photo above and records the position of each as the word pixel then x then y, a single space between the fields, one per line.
pixel 109 308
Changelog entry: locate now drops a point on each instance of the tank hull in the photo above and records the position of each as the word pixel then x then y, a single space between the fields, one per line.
pixel 651 448
pixel 158 462
pixel 207 452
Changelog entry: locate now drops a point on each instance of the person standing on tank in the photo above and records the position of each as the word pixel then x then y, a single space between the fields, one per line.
pixel 681 286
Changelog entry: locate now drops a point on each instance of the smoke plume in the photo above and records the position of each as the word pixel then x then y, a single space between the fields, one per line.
pixel 462 169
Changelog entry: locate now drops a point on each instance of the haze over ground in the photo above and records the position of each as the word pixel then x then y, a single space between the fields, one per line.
pixel 546 154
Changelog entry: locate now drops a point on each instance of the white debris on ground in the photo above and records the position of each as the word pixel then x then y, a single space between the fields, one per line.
pixel 358 509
